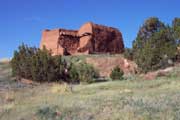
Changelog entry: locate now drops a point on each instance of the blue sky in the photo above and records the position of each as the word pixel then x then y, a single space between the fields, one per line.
pixel 24 20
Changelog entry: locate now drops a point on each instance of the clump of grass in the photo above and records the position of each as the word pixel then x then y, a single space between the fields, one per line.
pixel 61 88
pixel 49 113
pixel 117 74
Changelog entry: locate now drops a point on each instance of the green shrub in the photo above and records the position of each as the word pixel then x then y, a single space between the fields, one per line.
pixel 87 73
pixel 83 72
pixel 74 74
pixel 49 113
pixel 37 65
pixel 21 62
pixel 117 74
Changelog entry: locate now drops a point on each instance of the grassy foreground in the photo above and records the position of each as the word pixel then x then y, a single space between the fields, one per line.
pixel 132 99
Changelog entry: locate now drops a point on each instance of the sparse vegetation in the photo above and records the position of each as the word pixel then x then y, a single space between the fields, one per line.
pixel 131 99
pixel 83 72
pixel 117 74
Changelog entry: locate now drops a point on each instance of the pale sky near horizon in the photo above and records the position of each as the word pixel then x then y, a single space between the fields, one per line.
pixel 22 21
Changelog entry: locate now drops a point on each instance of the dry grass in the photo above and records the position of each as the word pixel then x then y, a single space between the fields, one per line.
pixel 133 99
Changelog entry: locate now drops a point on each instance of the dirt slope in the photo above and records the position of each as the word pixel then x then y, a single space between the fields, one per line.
pixel 105 64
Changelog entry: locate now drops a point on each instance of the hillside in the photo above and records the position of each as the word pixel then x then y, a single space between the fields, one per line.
pixel 104 63
pixel 132 99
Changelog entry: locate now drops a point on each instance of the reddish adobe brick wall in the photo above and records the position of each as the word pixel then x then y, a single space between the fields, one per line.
pixel 89 39
pixel 50 41
pixel 101 39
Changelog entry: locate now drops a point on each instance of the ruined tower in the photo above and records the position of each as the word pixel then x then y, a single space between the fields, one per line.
pixel 89 39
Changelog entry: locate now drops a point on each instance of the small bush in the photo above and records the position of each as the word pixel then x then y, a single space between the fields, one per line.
pixel 49 113
pixel 74 74
pixel 83 72
pixel 117 74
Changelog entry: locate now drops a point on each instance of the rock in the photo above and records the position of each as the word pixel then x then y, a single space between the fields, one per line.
pixel 28 82
pixel 158 73
pixel 150 76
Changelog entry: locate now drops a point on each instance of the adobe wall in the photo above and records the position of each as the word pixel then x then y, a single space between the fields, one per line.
pixel 69 40
pixel 85 41
pixel 100 39
pixel 60 41
pixel 89 39
pixel 50 41
pixel 107 39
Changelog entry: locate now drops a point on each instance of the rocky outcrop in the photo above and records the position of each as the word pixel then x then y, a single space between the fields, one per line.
pixel 89 39
pixel 159 73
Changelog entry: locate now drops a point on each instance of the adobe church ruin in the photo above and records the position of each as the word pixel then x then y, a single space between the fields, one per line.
pixel 89 39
